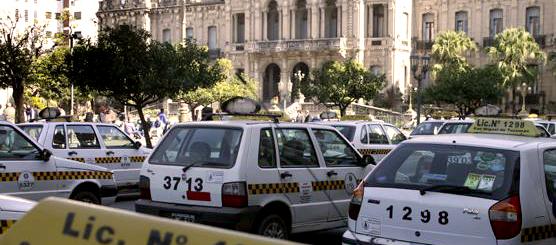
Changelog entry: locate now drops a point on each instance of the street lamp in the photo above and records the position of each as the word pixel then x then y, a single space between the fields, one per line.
pixel 299 76
pixel 419 68
pixel 72 35
pixel 524 89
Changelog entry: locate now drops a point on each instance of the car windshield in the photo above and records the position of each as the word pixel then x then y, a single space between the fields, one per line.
pixel 202 146
pixel 32 130
pixel 346 131
pixel 427 128
pixel 455 128
pixel 484 172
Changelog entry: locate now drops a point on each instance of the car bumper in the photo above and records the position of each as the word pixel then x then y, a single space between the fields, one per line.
pixel 352 238
pixel 241 219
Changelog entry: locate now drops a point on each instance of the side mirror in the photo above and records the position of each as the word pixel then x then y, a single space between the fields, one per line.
pixel 45 155
pixel 367 160
pixel 553 136
pixel 137 145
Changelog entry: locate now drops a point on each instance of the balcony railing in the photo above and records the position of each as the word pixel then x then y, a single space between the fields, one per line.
pixel 304 45
pixel 422 44
pixel 214 53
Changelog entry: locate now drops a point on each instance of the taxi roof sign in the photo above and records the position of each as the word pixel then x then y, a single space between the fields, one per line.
pixel 504 126
pixel 61 221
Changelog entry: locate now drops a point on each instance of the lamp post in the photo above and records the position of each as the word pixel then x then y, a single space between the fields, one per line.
pixel 419 68
pixel 524 89
pixel 299 76
pixel 72 35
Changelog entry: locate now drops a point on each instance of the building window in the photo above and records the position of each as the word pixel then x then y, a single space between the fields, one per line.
pixel 189 33
pixel 273 21
pixel 48 15
pixel 379 25
pixel 212 44
pixel 405 28
pixel 461 21
pixel 77 15
pixel 16 14
pixel 167 35
pixel 58 16
pixel 239 28
pixel 331 17
pixel 26 15
pixel 376 70
pixel 496 22
pixel 301 19
pixel 428 27
pixel 533 19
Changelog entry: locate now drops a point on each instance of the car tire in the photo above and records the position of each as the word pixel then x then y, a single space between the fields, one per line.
pixel 86 196
pixel 273 226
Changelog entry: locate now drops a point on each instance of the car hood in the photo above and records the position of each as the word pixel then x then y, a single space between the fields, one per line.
pixel 15 204
pixel 70 164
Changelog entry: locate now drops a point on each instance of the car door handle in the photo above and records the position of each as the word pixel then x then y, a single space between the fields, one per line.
pixel 109 153
pixel 71 153
pixel 331 173
pixel 285 175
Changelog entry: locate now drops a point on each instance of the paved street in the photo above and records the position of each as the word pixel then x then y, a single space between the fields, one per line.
pixel 323 237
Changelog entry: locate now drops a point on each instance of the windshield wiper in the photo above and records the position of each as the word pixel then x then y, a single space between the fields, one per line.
pixel 196 164
pixel 450 189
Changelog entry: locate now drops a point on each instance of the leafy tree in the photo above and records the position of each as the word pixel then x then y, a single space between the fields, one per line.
pixel 338 84
pixel 17 53
pixel 513 51
pixel 390 98
pixel 126 65
pixel 466 90
pixel 231 85
pixel 449 50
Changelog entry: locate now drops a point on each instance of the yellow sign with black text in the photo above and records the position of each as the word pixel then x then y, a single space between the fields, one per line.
pixel 504 126
pixel 57 221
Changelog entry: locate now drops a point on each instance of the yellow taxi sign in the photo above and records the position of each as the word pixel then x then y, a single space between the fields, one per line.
pixel 504 126
pixel 61 221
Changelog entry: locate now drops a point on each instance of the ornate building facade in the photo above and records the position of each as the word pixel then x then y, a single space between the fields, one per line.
pixel 271 40
pixel 482 20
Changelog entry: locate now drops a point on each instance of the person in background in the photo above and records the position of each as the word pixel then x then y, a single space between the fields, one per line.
pixel 163 120
pixel 9 113
pixel 89 116
pixel 30 113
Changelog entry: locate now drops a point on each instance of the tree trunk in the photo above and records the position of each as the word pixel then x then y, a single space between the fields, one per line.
pixel 18 101
pixel 146 128
pixel 342 110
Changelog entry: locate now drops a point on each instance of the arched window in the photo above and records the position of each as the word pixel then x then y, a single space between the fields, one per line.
pixel 461 21
pixel 331 19
pixel 273 21
pixel 533 21
pixel 496 21
pixel 428 27
pixel 301 17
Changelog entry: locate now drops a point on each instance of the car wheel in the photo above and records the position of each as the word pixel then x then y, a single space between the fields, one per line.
pixel 86 196
pixel 273 226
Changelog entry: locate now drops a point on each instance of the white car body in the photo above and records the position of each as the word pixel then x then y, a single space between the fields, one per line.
pixel 112 148
pixel 263 173
pixel 408 215
pixel 29 171
pixel 374 138
pixel 11 210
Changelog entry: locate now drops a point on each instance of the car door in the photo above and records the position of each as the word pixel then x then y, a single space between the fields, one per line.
pixel 299 167
pixel 83 144
pixel 548 177
pixel 22 172
pixel 117 144
pixel 377 143
pixel 343 170
pixel 395 136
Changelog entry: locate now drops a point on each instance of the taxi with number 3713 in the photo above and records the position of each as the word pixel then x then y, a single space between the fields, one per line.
pixel 493 185
pixel 267 178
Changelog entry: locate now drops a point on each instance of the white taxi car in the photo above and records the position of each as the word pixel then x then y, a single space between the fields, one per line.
pixel 476 188
pixel 99 144
pixel 29 171
pixel 267 178
pixel 11 210
pixel 374 138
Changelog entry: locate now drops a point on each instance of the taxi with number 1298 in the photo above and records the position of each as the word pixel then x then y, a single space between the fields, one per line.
pixel 493 185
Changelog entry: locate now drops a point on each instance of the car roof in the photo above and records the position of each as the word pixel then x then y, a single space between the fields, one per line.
pixel 484 140
pixel 350 123
pixel 66 123
pixel 247 124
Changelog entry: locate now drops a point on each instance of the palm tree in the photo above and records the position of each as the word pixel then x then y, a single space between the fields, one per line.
pixel 513 51
pixel 449 51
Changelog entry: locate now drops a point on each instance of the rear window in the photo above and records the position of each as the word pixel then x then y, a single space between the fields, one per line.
pixel 346 131
pixel 454 128
pixel 32 130
pixel 203 146
pixel 487 173
pixel 427 128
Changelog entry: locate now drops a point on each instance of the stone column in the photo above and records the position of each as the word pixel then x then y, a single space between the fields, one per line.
pixel 339 21
pixel 280 24
pixel 293 22
pixel 314 21
pixel 322 14
pixel 264 27
pixel 284 82
pixel 247 24
pixel 257 19
pixel 390 15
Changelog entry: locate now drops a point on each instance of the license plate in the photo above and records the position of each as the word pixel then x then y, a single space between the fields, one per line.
pixel 385 241
pixel 183 217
